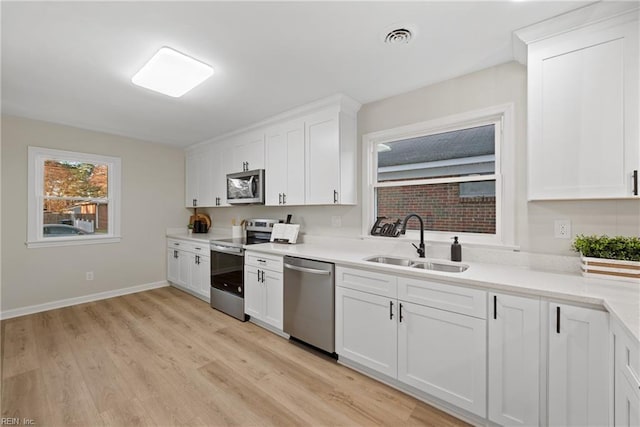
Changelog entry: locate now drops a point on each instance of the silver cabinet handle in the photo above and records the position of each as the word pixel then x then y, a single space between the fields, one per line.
pixel 307 270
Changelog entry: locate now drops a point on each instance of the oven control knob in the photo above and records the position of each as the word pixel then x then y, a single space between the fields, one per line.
pixel 239 289
pixel 225 285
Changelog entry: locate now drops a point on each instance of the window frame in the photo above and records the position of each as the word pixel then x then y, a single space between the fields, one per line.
pixel 503 117
pixel 35 215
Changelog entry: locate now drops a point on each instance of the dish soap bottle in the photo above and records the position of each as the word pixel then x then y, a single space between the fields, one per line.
pixel 456 250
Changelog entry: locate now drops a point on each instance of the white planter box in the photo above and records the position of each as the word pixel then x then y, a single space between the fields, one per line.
pixel 611 269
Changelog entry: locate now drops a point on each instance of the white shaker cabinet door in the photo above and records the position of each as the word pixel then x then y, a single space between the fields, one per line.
pixel 273 294
pixel 285 164
pixel 322 140
pixel 583 113
pixel 443 354
pixel 578 366
pixel 253 292
pixel 514 360
pixel 173 265
pixel 366 330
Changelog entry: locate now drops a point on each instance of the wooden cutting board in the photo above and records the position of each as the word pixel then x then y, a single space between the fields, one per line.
pixel 200 217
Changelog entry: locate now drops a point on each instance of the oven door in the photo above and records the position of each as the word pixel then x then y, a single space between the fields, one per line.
pixel 227 269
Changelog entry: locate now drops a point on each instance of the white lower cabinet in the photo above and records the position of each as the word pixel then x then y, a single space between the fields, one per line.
pixel 514 360
pixel 627 378
pixel 439 352
pixel 366 330
pixel 488 354
pixel 263 289
pixel 578 366
pixel 443 354
pixel 189 267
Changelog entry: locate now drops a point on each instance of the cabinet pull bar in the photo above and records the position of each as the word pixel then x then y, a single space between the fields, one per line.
pixel 258 275
pixel 279 198
pixel 390 310
pixel 400 315
pixel 335 196
pixel 635 182
pixel 558 319
pixel 284 198
pixel 495 306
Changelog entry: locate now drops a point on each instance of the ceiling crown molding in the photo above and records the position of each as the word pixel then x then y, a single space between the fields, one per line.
pixel 587 15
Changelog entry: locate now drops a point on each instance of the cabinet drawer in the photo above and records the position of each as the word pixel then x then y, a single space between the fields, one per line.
pixel 367 281
pixel 264 261
pixel 456 299
pixel 196 248
pixel 175 244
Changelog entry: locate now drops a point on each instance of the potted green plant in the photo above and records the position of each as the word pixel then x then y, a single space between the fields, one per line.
pixel 613 257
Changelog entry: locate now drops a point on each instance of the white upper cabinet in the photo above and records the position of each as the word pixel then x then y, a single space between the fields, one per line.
pixel 199 170
pixel 330 153
pixel 284 164
pixel 308 153
pixel 221 161
pixel 248 152
pixel 583 139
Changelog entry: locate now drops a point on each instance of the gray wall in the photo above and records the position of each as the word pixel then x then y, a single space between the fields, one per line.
pixel 152 200
pixel 497 85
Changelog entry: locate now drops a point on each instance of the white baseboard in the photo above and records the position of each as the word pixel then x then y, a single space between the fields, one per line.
pixel 8 314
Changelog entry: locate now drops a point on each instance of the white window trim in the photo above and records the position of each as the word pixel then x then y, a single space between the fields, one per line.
pixel 35 181
pixel 504 176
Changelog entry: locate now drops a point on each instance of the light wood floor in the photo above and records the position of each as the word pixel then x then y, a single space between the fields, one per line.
pixel 163 357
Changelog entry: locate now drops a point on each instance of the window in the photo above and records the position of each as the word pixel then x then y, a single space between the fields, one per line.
pixel 74 198
pixel 449 171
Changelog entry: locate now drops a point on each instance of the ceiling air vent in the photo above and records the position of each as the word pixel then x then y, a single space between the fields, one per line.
pixel 398 36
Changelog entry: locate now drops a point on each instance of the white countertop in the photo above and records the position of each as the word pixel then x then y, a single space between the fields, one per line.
pixel 621 299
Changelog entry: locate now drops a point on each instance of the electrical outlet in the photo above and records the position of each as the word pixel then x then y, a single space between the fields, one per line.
pixel 562 229
pixel 336 221
pixel 89 275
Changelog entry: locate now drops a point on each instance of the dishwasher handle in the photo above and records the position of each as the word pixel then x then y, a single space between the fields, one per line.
pixel 307 270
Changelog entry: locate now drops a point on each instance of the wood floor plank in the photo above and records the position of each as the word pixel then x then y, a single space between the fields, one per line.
pixel 19 347
pixel 24 396
pixel 164 358
pixel 67 393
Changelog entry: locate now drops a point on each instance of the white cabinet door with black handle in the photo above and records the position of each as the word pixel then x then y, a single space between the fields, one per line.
pixel 578 366
pixel 514 360
pixel 366 330
pixel 443 354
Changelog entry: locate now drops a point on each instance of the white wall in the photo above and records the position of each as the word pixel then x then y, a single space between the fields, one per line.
pixel 497 85
pixel 152 200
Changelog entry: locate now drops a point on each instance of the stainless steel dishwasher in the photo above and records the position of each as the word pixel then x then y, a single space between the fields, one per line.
pixel 309 302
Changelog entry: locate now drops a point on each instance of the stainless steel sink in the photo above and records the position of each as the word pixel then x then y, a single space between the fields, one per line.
pixel 390 260
pixel 424 265
pixel 436 266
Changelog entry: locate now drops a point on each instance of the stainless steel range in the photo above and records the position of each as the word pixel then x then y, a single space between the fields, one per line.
pixel 227 267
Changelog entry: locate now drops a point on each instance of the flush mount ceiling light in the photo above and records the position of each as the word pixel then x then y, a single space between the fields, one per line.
pixel 172 73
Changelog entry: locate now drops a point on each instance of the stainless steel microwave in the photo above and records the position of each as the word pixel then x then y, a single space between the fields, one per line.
pixel 246 188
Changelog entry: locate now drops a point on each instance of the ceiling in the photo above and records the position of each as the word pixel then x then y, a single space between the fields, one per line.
pixel 72 62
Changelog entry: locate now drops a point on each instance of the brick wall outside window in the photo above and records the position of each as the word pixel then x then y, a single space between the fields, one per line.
pixel 441 206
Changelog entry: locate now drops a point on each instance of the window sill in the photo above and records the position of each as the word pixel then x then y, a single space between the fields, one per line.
pixel 54 242
pixel 429 241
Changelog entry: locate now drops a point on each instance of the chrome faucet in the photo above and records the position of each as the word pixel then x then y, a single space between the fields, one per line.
pixel 420 249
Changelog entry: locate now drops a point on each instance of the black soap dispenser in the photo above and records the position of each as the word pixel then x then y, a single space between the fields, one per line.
pixel 456 250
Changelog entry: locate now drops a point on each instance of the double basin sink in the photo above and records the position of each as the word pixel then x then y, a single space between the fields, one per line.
pixel 424 265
